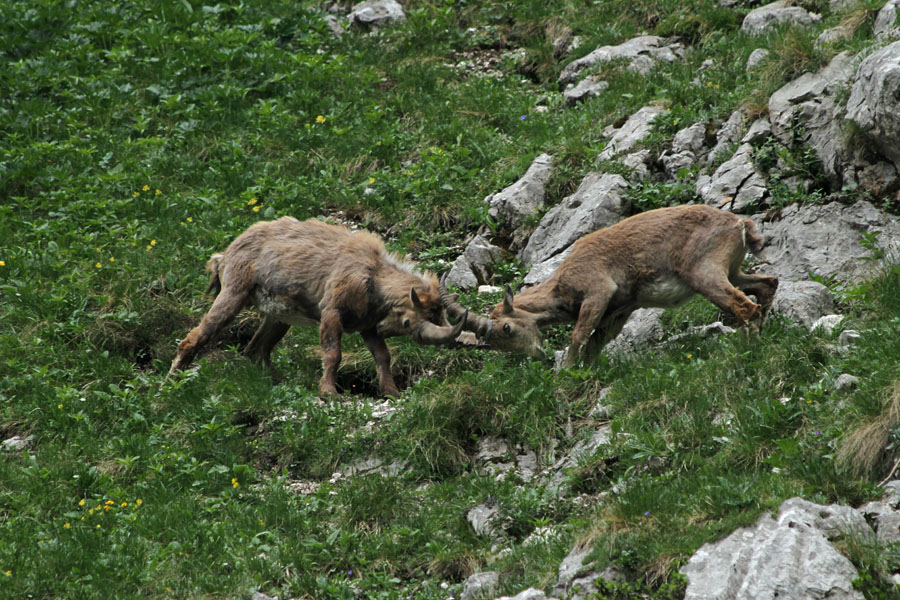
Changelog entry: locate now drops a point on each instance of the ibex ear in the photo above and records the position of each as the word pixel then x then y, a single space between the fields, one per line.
pixel 508 301
pixel 415 298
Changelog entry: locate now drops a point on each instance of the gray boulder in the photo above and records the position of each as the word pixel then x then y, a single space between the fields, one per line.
pixel 544 269
pixel 576 580
pixel 641 54
pixel 524 198
pixel 886 27
pixel 728 134
pixel 831 240
pixel 475 265
pixel 583 449
pixel 643 327
pixel 786 557
pixel 589 87
pixel 689 146
pixel 806 111
pixel 736 184
pixel 632 132
pixel 598 202
pixel 480 585
pixel 760 21
pixel 756 57
pixel 529 594
pixel 802 301
pixel 874 103
pixel 481 518
pixel 376 14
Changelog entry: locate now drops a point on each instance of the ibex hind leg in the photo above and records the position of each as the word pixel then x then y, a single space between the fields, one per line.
pixel 264 340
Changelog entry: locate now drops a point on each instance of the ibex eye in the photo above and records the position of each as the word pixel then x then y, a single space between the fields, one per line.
pixel 506 328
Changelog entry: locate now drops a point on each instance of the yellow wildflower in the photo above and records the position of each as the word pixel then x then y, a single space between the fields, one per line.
pixel 371 180
pixel 81 502
pixel 158 192
pixel 67 526
pixel 136 194
pixel 190 219
pixel 234 482
pixel 112 259
pixel 138 501
pixel 320 119
pixel 98 265
pixel 152 242
pixel 146 188
pixel 262 523
pixel 98 525
pixel 2 263
pixel 110 502
pixel 251 201
pixel 59 406
pixel 124 504
pixel 7 573
pixel 256 208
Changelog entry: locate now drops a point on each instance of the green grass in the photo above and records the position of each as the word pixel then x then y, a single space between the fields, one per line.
pixel 138 139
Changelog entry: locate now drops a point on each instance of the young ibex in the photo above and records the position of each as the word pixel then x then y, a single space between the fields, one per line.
pixel 309 272
pixel 659 258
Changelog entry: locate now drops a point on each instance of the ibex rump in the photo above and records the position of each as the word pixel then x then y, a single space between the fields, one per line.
pixel 310 272
pixel 658 258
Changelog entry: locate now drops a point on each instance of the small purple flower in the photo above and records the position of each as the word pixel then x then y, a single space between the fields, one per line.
pixel 818 432
pixel 646 513
pixel 522 118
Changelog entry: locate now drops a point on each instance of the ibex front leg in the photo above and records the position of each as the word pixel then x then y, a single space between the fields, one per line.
pixel 330 332
pixel 589 317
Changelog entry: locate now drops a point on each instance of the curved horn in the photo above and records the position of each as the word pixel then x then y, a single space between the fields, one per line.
pixel 480 325
pixel 434 335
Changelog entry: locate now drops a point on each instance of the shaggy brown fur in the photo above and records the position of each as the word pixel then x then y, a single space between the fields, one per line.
pixel 308 273
pixel 659 258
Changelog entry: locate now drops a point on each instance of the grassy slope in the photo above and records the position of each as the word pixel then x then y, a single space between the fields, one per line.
pixel 137 140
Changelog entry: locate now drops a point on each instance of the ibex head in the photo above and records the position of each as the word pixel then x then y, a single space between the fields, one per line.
pixel 508 328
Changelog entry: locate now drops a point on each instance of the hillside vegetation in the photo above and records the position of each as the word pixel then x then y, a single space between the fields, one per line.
pixel 138 138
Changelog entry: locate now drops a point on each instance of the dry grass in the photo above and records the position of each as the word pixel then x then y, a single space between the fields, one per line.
pixel 865 450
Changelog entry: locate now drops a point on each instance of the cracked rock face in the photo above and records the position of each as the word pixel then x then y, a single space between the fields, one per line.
pixel 760 20
pixel 874 103
pixel 641 53
pixel 786 557
pixel 374 14
pixel 736 184
pixel 598 202
pixel 831 240
pixel 802 301
pixel 525 197
pixel 635 129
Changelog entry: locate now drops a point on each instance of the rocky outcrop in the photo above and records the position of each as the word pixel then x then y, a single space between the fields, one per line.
pixel 640 53
pixel 760 21
pixel 886 27
pixel 631 133
pixel 806 111
pixel 791 555
pixel 376 14
pixel 524 198
pixel 736 185
pixel 598 202
pixel 874 103
pixel 588 87
pixel 475 265
pixel 831 241
pixel 480 585
pixel 802 301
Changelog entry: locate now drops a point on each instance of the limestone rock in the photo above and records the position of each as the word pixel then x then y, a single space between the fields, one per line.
pixel 589 87
pixel 598 202
pixel 886 27
pixel 642 328
pixel 516 203
pixel 802 301
pixel 736 184
pixel 760 20
pixel 641 53
pixel 786 557
pixel 481 519
pixel 480 585
pixel 756 57
pixel 831 240
pixel 376 14
pixel 874 103
pixel 632 132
